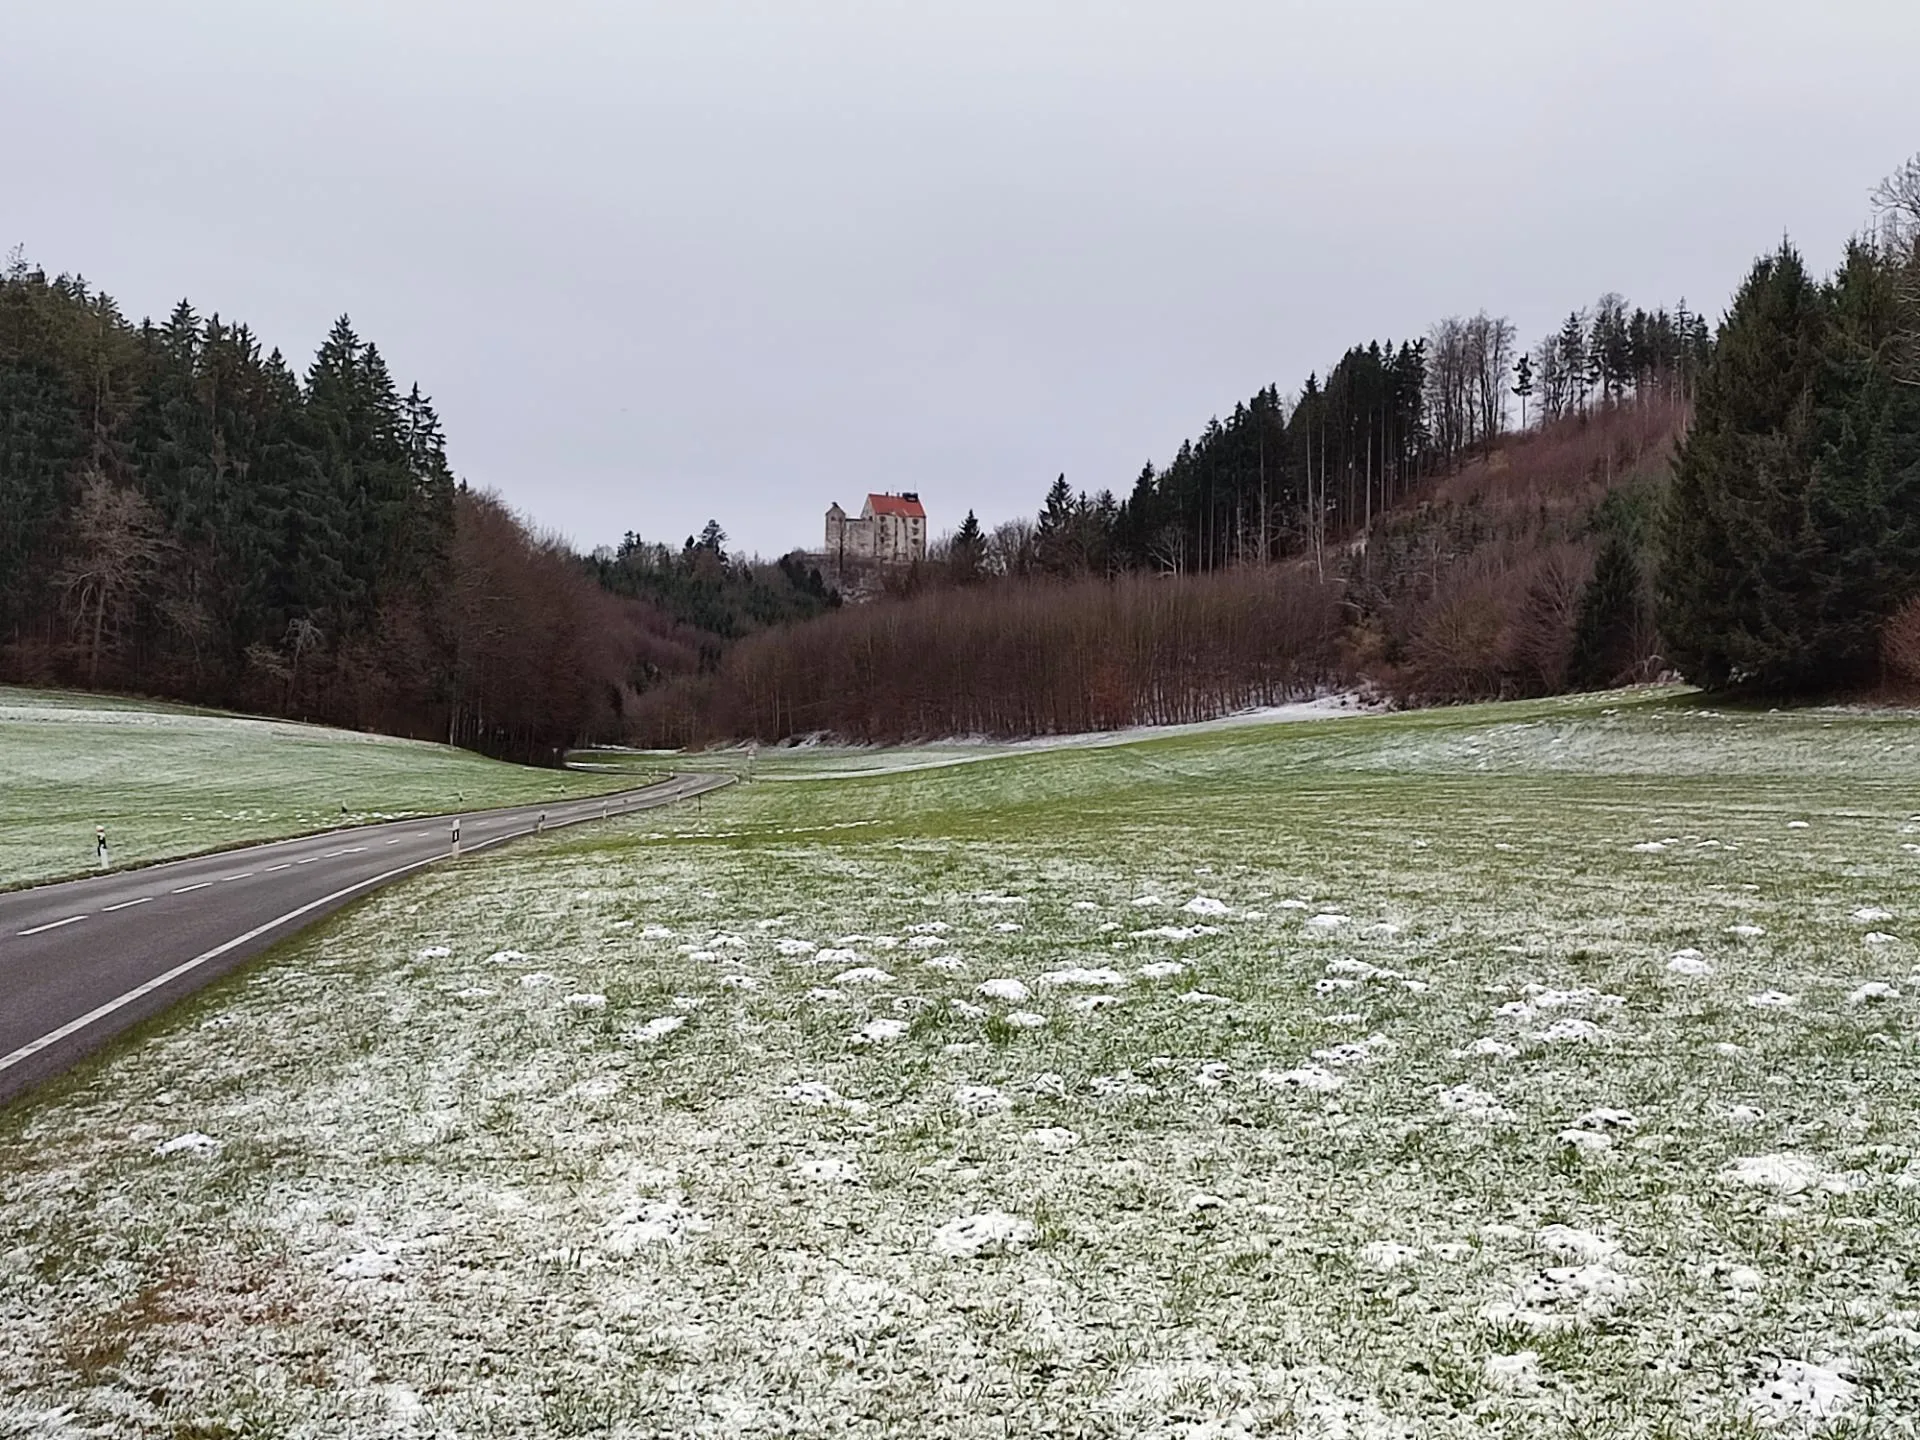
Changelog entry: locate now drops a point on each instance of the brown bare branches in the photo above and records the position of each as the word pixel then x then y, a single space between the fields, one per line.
pixel 1020 658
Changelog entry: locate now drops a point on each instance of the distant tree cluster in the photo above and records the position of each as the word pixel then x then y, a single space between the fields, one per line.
pixel 713 597
pixel 1791 535
pixel 1606 354
pixel 1282 479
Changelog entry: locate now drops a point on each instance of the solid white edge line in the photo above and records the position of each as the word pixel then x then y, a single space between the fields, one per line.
pixel 100 1012
pixel 125 905
pixel 42 929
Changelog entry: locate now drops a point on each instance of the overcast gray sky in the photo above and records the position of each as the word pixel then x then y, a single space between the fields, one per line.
pixel 661 261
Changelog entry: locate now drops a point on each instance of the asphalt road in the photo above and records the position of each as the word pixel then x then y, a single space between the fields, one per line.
pixel 84 960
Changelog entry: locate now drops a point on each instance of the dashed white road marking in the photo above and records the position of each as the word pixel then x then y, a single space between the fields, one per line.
pixel 100 1012
pixel 189 889
pixel 42 929
pixel 243 875
pixel 396 840
pixel 126 904
pixel 74 1026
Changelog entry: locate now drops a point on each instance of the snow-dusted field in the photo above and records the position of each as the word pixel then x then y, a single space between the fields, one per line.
pixel 168 782
pixel 1523 1071
pixel 829 760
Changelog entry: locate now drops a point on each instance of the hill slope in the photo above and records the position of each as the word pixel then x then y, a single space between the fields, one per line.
pixel 168 782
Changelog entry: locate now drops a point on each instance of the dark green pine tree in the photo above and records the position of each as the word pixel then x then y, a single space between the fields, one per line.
pixel 1573 359
pixel 1055 531
pixel 302 515
pixel 967 557
pixel 1736 563
pixel 431 492
pixel 1102 524
pixel 353 413
pixel 1863 507
pixel 1611 616
pixel 42 437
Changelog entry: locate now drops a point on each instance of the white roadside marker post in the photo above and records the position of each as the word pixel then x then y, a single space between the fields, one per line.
pixel 456 837
pixel 540 825
pixel 100 845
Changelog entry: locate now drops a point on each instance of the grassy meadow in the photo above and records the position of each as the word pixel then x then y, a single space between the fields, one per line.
pixel 1539 1070
pixel 168 781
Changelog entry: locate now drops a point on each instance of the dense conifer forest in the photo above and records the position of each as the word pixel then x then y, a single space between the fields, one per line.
pixel 1444 518
pixel 183 514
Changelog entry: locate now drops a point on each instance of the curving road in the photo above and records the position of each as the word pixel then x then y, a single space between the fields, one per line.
pixel 82 961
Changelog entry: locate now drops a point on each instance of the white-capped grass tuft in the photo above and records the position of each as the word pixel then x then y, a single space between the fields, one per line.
pixel 1006 990
pixel 993 1232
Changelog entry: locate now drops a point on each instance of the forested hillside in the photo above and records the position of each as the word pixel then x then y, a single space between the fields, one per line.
pixel 1446 518
pixel 1389 526
pixel 1792 531
pixel 184 515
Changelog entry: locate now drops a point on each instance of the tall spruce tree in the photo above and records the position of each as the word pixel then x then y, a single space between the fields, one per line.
pixel 1730 535
pixel 1610 616
pixel 1793 525
pixel 1864 502
pixel 1055 533
pixel 967 557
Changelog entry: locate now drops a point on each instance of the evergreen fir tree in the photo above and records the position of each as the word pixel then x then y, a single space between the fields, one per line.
pixel 1863 506
pixel 1735 548
pixel 968 556
pixel 1611 614
pixel 1573 359
pixel 1053 534
pixel 1523 384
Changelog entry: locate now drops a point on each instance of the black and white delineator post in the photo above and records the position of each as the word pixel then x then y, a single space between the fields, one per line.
pixel 100 845
pixel 540 825
pixel 455 835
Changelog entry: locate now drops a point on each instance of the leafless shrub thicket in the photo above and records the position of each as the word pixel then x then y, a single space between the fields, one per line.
pixel 1475 593
pixel 1900 645
pixel 1022 658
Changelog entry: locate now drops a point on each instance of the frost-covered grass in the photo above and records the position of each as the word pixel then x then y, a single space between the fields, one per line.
pixel 824 759
pixel 1522 1071
pixel 169 781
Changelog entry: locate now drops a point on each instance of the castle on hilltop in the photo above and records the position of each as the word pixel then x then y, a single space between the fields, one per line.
pixel 891 530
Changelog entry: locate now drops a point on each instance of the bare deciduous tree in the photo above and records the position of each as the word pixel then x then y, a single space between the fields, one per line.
pixel 1011 548
pixel 116 544
pixel 1897 201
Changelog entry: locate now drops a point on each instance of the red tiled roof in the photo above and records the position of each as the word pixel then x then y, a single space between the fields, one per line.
pixel 896 505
